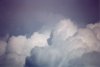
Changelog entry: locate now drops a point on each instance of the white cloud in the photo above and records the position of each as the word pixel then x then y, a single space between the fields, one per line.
pixel 19 47
pixel 65 29
pixel 67 42
pixel 95 28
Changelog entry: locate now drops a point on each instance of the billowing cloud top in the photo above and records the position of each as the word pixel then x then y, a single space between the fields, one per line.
pixel 70 47
pixel 64 45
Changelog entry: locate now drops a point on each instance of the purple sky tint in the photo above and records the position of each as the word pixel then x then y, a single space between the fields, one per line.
pixel 26 16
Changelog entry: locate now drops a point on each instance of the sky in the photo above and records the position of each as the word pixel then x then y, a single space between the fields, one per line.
pixel 22 16
pixel 49 33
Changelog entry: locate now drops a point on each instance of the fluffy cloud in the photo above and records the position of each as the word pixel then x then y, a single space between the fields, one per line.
pixel 64 45
pixel 18 48
pixel 68 44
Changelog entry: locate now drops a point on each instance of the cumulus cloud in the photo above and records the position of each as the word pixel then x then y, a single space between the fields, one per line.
pixel 63 45
pixel 69 44
pixel 18 47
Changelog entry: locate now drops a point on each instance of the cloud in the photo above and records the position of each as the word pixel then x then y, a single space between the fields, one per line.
pixel 65 28
pixel 3 45
pixel 63 45
pixel 18 48
pixel 68 42
pixel 90 59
